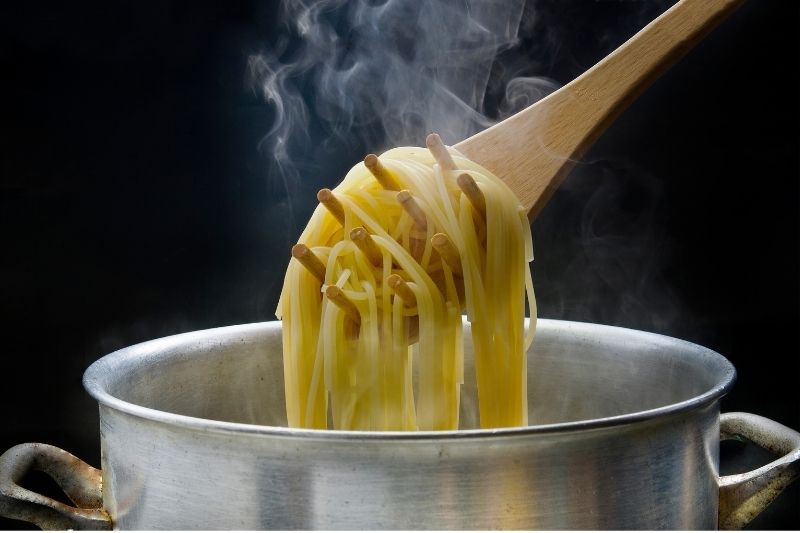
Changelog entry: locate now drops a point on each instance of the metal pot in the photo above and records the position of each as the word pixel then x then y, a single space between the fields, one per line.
pixel 625 435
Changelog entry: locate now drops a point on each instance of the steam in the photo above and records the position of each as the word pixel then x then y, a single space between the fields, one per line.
pixel 608 251
pixel 345 78
pixel 362 76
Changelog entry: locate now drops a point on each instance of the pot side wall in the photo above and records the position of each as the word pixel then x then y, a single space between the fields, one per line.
pixel 654 474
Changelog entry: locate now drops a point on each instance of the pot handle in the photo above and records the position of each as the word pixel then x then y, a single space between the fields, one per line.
pixel 78 480
pixel 743 496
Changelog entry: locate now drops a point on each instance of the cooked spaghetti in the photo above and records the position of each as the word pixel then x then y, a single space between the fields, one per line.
pixel 373 297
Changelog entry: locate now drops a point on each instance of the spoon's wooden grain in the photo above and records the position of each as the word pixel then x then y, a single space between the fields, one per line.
pixel 533 150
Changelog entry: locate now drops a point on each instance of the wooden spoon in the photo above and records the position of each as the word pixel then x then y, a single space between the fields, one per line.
pixel 534 150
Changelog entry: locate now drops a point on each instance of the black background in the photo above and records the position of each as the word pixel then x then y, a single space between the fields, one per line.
pixel 134 201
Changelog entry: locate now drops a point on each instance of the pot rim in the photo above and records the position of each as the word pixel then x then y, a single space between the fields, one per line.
pixel 94 382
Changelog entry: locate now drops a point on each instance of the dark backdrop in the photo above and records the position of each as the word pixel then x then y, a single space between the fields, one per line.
pixel 134 201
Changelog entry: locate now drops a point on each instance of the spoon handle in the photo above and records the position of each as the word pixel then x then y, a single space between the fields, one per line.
pixel 533 150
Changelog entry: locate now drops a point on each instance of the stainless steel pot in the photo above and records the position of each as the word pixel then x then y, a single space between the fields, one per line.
pixel 626 430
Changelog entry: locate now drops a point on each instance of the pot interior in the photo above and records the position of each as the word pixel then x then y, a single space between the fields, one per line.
pixel 576 372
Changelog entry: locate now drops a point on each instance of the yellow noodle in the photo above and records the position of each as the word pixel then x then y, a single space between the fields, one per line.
pixel 400 367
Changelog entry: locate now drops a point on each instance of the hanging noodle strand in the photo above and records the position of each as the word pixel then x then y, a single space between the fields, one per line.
pixel 373 297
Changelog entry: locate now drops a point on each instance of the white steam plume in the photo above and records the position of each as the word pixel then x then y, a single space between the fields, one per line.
pixel 357 76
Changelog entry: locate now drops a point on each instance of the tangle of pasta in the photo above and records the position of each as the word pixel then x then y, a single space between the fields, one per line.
pixel 372 299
